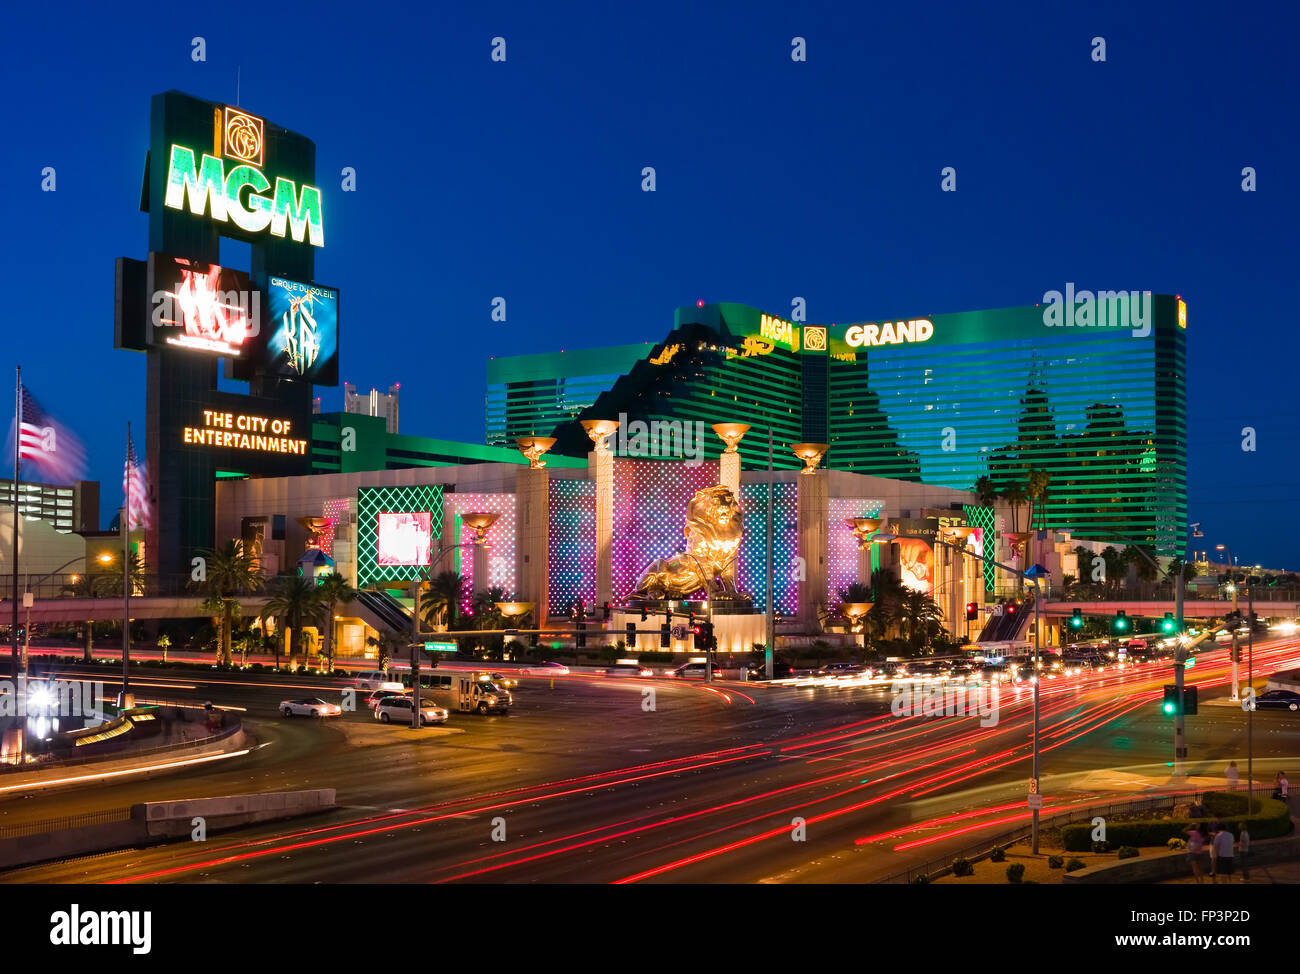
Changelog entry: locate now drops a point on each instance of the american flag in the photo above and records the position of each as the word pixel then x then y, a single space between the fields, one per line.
pixel 136 487
pixel 54 452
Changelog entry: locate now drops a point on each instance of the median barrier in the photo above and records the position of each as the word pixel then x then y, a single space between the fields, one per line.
pixel 175 818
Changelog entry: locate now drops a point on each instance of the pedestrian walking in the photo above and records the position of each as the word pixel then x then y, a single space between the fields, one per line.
pixel 1196 849
pixel 1233 776
pixel 1243 851
pixel 1221 853
pixel 1281 787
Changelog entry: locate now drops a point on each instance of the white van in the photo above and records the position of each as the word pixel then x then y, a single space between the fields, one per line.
pixel 377 680
pixel 397 710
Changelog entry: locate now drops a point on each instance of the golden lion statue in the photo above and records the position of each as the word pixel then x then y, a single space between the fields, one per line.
pixel 713 530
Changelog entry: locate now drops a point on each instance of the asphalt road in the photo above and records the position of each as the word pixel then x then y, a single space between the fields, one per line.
pixel 583 783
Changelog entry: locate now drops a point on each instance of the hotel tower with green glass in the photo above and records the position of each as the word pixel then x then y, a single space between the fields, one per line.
pixel 1100 408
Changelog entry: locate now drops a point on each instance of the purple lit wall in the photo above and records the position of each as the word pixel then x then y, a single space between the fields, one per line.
pixel 842 547
pixel 500 539
pixel 572 557
pixel 751 564
pixel 650 498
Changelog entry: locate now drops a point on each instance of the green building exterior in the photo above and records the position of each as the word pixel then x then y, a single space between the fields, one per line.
pixel 1092 393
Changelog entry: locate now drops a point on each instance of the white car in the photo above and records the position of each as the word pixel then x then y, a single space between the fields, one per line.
pixel 398 710
pixel 544 669
pixel 309 707
pixel 378 680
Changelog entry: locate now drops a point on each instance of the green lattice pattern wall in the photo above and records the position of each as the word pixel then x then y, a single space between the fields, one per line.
pixel 373 501
pixel 983 517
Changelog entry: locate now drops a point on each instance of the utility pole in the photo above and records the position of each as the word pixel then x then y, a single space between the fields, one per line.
pixel 1180 658
pixel 1250 714
pixel 18 439
pixel 1038 599
pixel 127 697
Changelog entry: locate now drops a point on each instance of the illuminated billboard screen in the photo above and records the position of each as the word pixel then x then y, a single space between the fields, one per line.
pixel 404 538
pixel 916 565
pixel 304 331
pixel 200 306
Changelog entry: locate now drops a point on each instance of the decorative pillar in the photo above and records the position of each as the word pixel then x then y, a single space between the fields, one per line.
pixel 533 525
pixel 863 530
pixel 814 507
pixel 600 464
pixel 729 461
pixel 479 523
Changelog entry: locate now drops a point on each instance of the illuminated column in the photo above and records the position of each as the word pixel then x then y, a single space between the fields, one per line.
pixel 961 591
pixel 729 461
pixel 479 524
pixel 600 462
pixel 532 525
pixel 814 506
pixel 863 529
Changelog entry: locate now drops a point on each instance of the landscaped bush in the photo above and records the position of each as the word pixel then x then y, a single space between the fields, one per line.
pixel 962 867
pixel 1055 862
pixel 1177 845
pixel 1127 852
pixel 1273 818
pixel 1073 864
pixel 921 880
pixel 998 854
pixel 1015 872
pixel 1101 846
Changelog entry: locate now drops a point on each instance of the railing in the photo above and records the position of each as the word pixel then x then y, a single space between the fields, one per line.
pixel 984 847
pixel 67 822
pixel 124 753
pixel 1164 592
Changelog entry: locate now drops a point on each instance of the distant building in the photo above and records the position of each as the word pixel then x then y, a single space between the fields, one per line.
pixel 66 507
pixel 373 403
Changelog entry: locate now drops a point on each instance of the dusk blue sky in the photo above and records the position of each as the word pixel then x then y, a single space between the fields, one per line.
pixel 775 179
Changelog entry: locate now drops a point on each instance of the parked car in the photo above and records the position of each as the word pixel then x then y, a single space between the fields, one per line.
pixel 781 670
pixel 398 709
pixel 372 701
pixel 544 669
pixel 309 707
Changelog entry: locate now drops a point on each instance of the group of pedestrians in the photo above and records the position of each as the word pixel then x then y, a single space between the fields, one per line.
pixel 1223 850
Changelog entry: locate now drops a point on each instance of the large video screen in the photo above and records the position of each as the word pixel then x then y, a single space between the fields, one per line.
pixel 200 306
pixel 404 538
pixel 916 565
pixel 304 331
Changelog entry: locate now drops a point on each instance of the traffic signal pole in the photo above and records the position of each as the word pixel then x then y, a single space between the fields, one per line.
pixel 1180 654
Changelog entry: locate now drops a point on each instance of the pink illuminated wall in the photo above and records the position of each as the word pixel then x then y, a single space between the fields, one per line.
pixel 501 542
pixel 841 546
pixel 650 498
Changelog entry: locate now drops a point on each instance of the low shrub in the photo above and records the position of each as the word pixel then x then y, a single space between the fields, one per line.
pixel 998 854
pixel 1271 819
pixel 1177 845
pixel 1127 852
pixel 1015 872
pixel 1101 846
pixel 1073 864
pixel 920 880
pixel 1055 862
pixel 962 867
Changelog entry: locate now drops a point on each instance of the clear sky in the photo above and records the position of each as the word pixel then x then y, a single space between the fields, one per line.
pixel 775 179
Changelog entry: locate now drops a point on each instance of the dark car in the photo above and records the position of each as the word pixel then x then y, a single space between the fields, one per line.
pixel 780 670
pixel 1278 700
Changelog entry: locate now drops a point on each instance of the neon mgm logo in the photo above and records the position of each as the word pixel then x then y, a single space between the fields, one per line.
pixel 206 188
pixel 659 439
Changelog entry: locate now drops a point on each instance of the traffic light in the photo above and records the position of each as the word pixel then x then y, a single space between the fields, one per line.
pixel 690 618
pixel 582 634
pixel 972 611
pixel 668 614
pixel 697 637
pixel 706 631
pixel 1167 626
pixel 607 612
pixel 1189 701
pixel 645 613
pixel 1011 608
pixel 1076 619
pixel 1121 621
pixel 1170 704
pixel 665 636
pixel 631 635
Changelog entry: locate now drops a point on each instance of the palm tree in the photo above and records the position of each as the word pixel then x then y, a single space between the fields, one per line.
pixel 888 594
pixel 386 644
pixel 919 615
pixel 1037 495
pixel 488 616
pixel 231 571
pixel 442 604
pixel 334 589
pixel 1014 494
pixel 985 492
pixel 296 601
pixel 108 583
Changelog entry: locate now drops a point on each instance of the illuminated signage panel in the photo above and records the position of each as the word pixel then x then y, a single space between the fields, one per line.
pixel 250 432
pixel 404 538
pixel 304 331
pixel 202 307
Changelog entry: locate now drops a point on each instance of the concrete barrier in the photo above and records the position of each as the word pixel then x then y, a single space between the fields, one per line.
pixel 158 821
pixel 172 819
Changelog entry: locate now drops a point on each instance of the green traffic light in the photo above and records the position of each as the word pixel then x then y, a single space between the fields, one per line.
pixel 1168 708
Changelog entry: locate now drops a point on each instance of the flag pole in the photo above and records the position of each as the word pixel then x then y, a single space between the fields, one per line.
pixel 126 700
pixel 18 438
